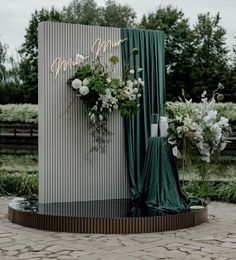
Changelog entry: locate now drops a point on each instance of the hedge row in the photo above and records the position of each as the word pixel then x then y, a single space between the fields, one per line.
pixel 22 113
pixel 28 113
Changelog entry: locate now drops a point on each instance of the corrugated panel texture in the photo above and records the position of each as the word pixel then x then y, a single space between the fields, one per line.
pixel 65 171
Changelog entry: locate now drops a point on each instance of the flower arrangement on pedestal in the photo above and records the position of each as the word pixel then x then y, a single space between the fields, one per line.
pixel 102 93
pixel 201 129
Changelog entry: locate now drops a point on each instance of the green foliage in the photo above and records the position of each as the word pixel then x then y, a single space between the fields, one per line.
pixel 10 85
pixel 179 47
pixel 117 15
pixel 210 55
pixel 18 185
pixel 29 53
pixel 23 113
pixel 204 190
pixel 82 12
pixel 89 13
pixel 19 163
pixel 210 191
pixel 227 192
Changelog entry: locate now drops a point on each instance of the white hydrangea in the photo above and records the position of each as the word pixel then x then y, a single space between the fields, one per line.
pixel 76 83
pixel 84 90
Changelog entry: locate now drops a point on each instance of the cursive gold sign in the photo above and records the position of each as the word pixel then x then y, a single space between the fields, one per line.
pixel 62 64
pixel 98 47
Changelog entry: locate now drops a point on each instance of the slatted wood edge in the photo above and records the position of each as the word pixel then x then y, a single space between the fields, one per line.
pixel 107 225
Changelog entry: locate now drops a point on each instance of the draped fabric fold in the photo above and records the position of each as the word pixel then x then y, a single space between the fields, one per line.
pixel 152 172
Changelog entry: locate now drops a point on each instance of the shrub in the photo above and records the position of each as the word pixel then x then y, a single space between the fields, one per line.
pixel 23 113
pixel 227 192
pixel 19 163
pixel 204 190
pixel 18 185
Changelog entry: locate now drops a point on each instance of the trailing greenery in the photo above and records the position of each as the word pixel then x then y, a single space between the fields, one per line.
pixel 22 113
pixel 18 185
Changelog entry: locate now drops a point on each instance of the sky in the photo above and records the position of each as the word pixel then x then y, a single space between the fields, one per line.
pixel 15 14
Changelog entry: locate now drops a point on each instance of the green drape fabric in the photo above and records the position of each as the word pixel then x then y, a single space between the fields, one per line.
pixel 152 171
pixel 151 59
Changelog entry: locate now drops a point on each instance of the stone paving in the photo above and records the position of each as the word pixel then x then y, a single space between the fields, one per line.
pixel 215 239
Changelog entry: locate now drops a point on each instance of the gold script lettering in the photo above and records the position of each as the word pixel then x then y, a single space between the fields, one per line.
pixel 97 49
pixel 100 46
pixel 59 64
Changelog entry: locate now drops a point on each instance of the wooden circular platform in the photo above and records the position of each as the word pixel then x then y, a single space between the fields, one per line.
pixel 106 225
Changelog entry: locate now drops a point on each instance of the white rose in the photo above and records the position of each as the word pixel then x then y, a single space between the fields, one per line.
pixel 84 90
pixel 76 83
pixel 131 71
pixel 135 90
pixel 100 117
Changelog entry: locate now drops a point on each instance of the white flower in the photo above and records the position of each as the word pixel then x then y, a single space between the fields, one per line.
pixel 84 90
pixel 224 122
pixel 76 83
pixel 206 158
pixel 204 94
pixel 176 152
pixel 108 80
pixel 79 58
pixel 131 71
pixel 92 117
pixel 139 95
pixel 222 146
pixel 85 82
pixel 130 83
pixel 95 108
pixel 135 90
pixel 100 117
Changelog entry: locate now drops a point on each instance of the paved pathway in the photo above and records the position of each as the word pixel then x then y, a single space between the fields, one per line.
pixel 215 239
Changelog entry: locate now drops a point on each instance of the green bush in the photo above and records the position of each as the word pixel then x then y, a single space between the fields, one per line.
pixel 23 113
pixel 227 192
pixel 19 163
pixel 204 190
pixel 208 190
pixel 18 185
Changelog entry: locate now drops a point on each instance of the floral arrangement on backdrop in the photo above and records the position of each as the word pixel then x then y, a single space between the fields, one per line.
pixel 197 127
pixel 103 93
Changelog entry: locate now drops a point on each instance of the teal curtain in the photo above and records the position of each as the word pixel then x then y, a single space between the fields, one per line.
pixel 152 170
pixel 151 59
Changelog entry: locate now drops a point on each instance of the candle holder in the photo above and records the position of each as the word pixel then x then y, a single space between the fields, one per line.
pixel 154 125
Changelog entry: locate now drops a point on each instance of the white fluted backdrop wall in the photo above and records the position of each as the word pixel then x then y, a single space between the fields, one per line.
pixel 65 172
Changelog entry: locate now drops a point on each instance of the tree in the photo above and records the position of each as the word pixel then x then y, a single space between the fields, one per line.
pixel 78 11
pixel 210 61
pixel 231 77
pixel 117 15
pixel 29 53
pixel 10 85
pixel 82 12
pixel 179 47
